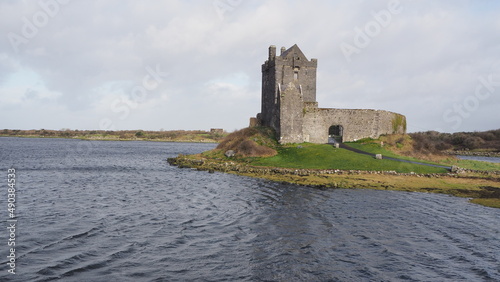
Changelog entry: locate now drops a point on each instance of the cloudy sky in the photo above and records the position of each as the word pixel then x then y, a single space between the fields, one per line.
pixel 151 65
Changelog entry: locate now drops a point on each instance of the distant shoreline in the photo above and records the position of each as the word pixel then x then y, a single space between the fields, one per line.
pixel 190 136
pixel 116 139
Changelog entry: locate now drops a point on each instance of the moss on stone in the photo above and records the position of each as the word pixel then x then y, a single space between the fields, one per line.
pixel 398 122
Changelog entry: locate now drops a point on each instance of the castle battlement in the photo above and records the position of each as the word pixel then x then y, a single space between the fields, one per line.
pixel 289 105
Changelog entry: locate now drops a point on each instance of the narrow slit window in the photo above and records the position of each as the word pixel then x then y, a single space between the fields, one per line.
pixel 296 73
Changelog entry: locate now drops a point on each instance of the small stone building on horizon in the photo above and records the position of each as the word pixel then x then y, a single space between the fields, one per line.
pixel 289 105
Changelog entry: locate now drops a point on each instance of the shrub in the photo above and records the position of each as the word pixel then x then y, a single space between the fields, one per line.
pixel 472 143
pixel 487 136
pixel 458 139
pixel 241 142
pixel 442 146
pixel 249 148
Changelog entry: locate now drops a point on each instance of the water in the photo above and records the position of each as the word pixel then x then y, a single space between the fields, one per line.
pixel 116 211
pixel 479 158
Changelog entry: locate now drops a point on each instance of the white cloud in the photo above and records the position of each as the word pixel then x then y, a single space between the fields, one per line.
pixel 91 53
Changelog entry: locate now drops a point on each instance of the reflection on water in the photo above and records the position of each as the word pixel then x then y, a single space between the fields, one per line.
pixel 116 211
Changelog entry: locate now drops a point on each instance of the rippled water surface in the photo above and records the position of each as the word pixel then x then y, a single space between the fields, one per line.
pixel 116 211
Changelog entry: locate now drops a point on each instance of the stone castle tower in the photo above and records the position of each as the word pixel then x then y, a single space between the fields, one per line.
pixel 289 105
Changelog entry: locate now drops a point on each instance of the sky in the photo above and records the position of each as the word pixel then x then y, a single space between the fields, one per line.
pixel 196 65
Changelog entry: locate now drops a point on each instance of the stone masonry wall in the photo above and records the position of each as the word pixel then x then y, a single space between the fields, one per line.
pixel 293 66
pixel 357 124
pixel 289 104
pixel 270 108
pixel 291 115
pixel 278 72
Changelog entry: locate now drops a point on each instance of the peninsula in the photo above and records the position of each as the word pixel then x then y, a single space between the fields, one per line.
pixel 292 140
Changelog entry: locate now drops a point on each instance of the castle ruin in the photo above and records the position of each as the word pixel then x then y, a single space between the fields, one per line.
pixel 289 105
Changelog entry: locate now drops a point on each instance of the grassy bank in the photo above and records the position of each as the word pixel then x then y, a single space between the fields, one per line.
pixel 483 187
pixel 327 157
pixel 255 153
pixel 404 150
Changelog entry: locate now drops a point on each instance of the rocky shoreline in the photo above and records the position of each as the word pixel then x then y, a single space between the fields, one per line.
pixel 236 167
pixel 481 187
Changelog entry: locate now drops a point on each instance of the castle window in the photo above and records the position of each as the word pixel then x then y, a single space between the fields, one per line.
pixel 296 73
pixel 277 93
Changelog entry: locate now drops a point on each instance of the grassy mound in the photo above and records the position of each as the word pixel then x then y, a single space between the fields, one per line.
pixel 313 156
pixel 403 147
pixel 258 146
pixel 397 146
pixel 258 154
pixel 250 142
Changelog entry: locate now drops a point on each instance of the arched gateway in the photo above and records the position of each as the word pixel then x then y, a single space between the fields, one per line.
pixel 335 134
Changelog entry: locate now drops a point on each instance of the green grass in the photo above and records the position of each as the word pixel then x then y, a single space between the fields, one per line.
pixel 375 148
pixel 477 165
pixel 312 156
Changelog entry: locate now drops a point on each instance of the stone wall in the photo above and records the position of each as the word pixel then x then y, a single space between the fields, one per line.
pixel 289 104
pixel 292 66
pixel 278 72
pixel 216 131
pixel 269 115
pixel 356 124
pixel 292 115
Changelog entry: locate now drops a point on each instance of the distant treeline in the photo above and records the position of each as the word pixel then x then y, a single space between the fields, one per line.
pixel 172 135
pixel 429 142
pixel 435 142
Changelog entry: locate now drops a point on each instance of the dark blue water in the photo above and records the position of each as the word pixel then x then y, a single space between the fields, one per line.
pixel 116 211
